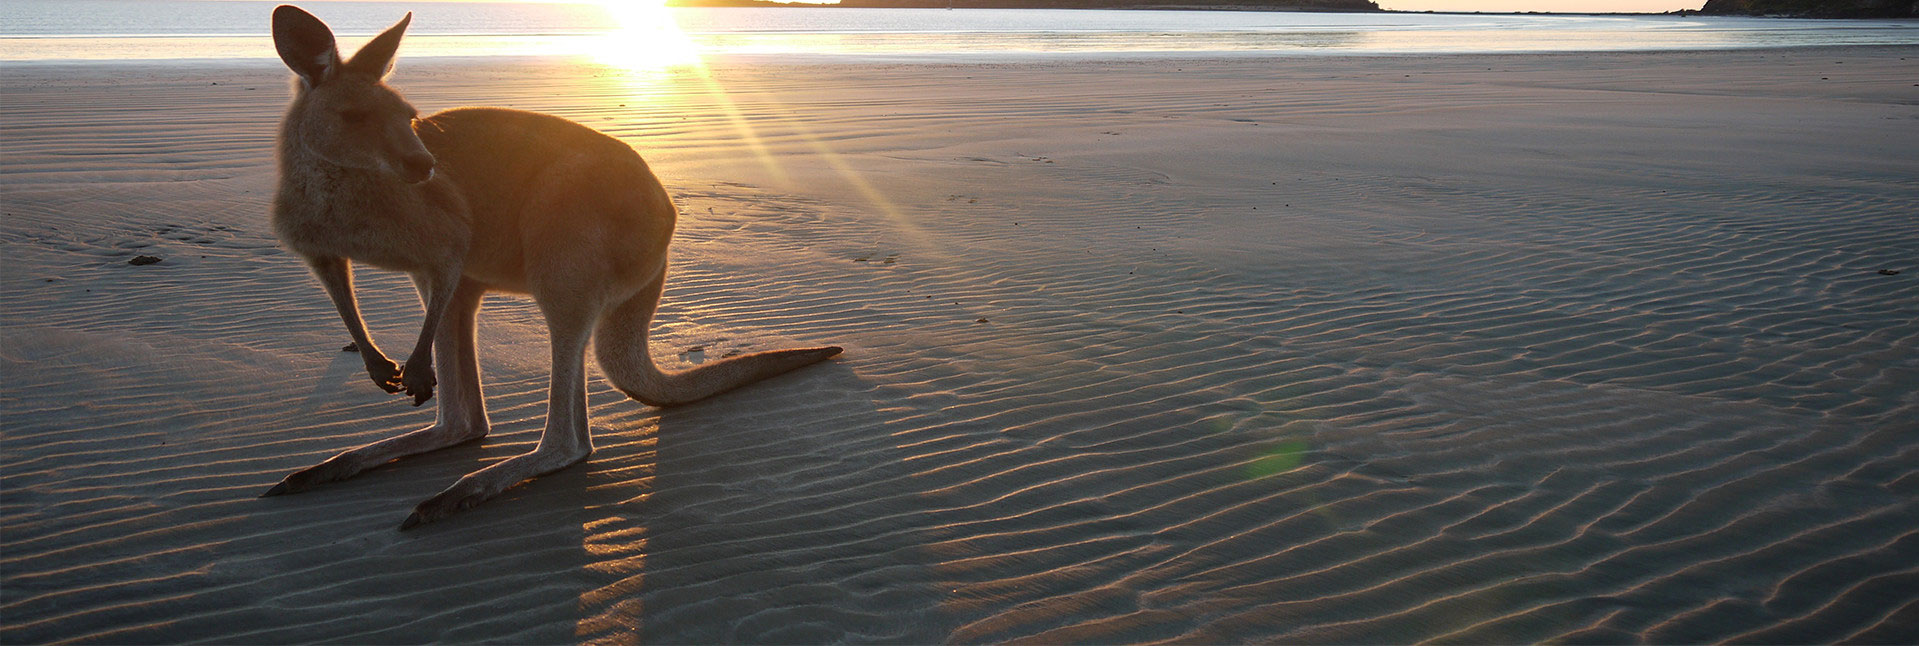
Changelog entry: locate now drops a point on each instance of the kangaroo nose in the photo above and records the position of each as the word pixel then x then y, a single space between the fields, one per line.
pixel 416 167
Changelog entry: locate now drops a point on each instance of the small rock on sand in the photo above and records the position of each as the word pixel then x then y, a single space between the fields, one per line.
pixel 351 347
pixel 143 260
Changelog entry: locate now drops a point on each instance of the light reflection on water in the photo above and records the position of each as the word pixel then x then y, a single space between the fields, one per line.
pixel 938 45
pixel 643 35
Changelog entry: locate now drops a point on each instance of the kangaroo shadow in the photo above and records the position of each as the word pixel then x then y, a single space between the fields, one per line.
pixel 778 513
pixel 773 514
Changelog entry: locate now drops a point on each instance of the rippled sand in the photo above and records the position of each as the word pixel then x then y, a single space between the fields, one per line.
pixel 1583 348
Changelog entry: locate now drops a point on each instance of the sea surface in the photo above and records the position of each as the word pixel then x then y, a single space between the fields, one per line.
pixel 42 30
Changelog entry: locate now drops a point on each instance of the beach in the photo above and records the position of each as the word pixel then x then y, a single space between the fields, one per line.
pixel 1579 347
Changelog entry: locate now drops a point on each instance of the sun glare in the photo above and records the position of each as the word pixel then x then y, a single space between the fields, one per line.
pixel 644 38
pixel 656 57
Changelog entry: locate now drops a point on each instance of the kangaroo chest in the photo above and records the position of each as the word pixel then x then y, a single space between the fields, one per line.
pixel 366 222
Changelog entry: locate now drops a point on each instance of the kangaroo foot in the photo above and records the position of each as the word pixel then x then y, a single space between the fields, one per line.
pixel 352 462
pixel 339 467
pixel 489 482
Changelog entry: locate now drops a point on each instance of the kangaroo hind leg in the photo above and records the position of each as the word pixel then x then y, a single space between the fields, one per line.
pixel 461 410
pixel 566 439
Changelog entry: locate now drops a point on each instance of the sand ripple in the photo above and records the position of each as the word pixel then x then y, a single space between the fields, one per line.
pixel 1226 352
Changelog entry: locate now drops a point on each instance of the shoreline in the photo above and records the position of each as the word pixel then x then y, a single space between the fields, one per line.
pixel 959 59
pixel 1114 33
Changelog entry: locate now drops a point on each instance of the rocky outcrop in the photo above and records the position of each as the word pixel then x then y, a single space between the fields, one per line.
pixel 1814 8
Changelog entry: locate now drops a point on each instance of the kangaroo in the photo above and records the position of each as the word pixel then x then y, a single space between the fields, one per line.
pixel 467 201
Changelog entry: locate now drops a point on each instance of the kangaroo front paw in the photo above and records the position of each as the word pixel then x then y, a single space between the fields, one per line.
pixel 385 373
pixel 418 380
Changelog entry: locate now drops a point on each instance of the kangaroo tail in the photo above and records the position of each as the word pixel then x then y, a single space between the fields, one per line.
pixel 621 348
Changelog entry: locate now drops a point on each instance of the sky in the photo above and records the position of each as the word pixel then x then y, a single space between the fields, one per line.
pixel 1563 6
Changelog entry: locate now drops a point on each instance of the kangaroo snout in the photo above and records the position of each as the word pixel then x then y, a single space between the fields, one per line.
pixel 416 167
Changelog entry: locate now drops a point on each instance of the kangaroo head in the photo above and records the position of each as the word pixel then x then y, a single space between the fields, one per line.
pixel 344 112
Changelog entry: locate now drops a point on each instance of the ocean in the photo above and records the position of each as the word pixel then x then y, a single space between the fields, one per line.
pixel 43 30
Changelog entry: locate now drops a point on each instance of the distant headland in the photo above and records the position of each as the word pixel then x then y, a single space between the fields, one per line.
pixel 1223 5
pixel 1812 8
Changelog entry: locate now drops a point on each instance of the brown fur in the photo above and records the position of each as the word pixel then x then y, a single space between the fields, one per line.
pixel 468 201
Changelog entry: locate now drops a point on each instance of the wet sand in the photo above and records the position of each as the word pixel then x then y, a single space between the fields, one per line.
pixel 1486 349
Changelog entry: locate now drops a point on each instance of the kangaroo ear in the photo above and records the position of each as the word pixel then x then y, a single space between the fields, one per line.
pixel 305 44
pixel 376 57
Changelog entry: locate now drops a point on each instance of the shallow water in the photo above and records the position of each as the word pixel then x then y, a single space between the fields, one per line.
pixel 173 29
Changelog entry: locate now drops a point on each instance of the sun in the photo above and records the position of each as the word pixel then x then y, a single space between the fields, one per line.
pixel 645 37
